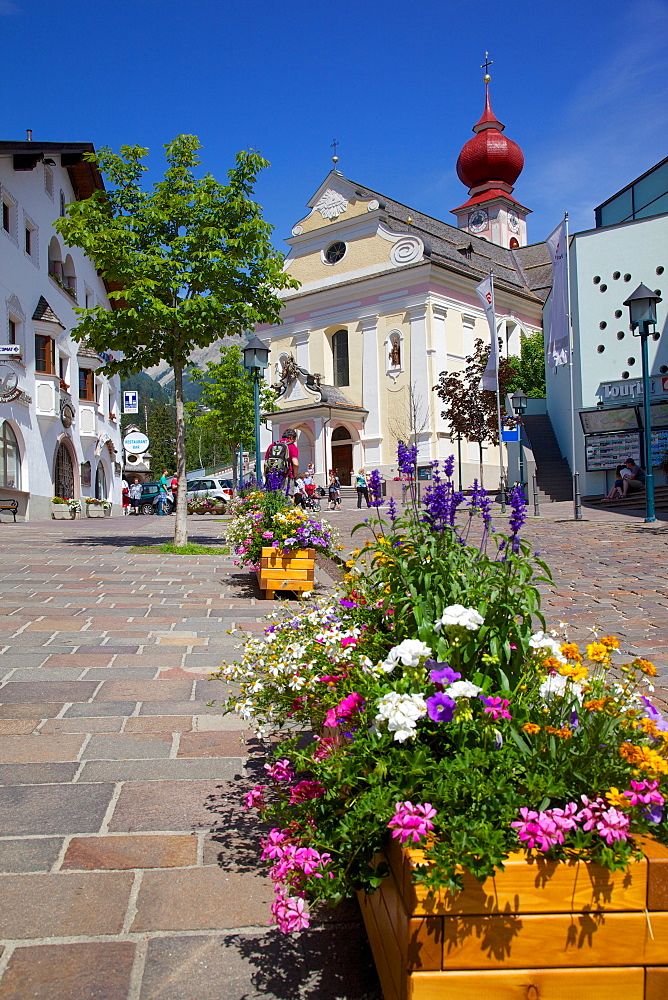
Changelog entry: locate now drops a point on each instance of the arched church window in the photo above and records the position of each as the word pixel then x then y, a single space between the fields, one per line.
pixel 10 464
pixel 341 434
pixel 514 243
pixel 340 358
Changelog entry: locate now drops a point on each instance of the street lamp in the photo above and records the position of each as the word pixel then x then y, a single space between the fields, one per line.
pixel 519 401
pixel 256 361
pixel 642 310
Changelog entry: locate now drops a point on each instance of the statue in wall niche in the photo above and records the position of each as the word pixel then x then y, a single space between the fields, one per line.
pixel 395 354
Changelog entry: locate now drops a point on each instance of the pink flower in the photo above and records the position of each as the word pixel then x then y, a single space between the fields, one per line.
pixel 527 827
pixel 331 678
pixel 267 534
pixel 349 641
pixel 280 770
pixel 496 707
pixel 612 825
pixel 305 790
pixel 273 843
pixel 325 748
pixel 543 830
pixel 290 913
pixel 348 706
pixel 590 813
pixel 645 793
pixel 411 822
pixel 255 798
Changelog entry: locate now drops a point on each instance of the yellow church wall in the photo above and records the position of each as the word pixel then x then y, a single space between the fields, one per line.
pixel 314 220
pixel 361 253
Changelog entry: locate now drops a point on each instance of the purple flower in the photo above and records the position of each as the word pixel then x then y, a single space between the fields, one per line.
pixel 375 489
pixel 407 458
pixel 449 466
pixel 392 510
pixel 441 673
pixel 441 708
pixel 274 481
pixel 517 517
pixel 347 604
pixel 480 503
pixel 654 714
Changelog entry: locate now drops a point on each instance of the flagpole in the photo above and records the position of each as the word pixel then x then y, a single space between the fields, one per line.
pixel 498 400
pixel 577 513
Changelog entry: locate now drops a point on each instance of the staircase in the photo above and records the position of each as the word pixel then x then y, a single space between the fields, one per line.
pixel 553 474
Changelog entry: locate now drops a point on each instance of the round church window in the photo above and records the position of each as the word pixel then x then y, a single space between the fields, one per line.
pixel 335 252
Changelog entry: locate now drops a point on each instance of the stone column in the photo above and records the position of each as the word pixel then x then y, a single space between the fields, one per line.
pixel 439 361
pixel 372 436
pixel 419 375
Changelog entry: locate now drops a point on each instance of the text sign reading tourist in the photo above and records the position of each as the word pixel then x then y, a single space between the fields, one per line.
pixel 10 351
pixel 130 401
pixel 136 443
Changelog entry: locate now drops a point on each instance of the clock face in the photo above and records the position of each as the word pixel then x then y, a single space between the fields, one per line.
pixel 513 222
pixel 478 220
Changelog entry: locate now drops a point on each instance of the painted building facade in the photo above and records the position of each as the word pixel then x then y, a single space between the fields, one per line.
pixel 59 413
pixel 628 247
pixel 386 303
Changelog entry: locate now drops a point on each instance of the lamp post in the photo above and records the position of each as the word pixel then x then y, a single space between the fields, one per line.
pixel 519 401
pixel 642 310
pixel 256 361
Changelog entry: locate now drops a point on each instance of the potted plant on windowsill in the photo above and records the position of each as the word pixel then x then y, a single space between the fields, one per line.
pixel 95 507
pixel 64 508
pixel 495 794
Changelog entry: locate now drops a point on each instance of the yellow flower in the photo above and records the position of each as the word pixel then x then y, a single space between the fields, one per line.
pixel 531 727
pixel 617 798
pixel 596 704
pixel 611 641
pixel 551 663
pixel 575 672
pixel 646 666
pixel 597 652
pixel 570 651
pixel 644 758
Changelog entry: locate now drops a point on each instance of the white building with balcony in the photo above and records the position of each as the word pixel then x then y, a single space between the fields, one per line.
pixel 59 412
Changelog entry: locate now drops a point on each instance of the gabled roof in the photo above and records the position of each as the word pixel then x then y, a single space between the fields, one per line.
pixel 45 313
pixel 448 244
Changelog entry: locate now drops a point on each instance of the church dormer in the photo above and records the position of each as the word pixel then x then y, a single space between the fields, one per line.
pixel 489 164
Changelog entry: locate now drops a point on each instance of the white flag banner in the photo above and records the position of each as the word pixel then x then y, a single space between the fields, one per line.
pixel 558 342
pixel 490 376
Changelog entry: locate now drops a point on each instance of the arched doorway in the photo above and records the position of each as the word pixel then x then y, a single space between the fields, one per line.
pixel 63 480
pixel 342 455
pixel 100 483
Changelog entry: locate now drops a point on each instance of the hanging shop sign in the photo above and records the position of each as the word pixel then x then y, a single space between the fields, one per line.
pixel 9 384
pixel 136 443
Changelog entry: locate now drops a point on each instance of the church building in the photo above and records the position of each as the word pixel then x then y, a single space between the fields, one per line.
pixel 387 302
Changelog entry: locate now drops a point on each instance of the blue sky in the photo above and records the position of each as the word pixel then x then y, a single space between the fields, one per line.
pixel 581 86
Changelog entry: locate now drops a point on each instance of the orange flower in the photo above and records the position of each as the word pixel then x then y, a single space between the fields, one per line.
pixel 611 641
pixel 531 728
pixel 596 704
pixel 563 734
pixel 570 651
pixel 551 663
pixel 574 671
pixel 598 652
pixel 644 758
pixel 646 666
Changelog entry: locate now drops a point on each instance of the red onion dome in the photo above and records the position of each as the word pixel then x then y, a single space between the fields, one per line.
pixel 489 156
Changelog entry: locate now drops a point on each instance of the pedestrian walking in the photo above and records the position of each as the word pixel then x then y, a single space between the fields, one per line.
pixel 362 485
pixel 164 484
pixel 334 491
pixel 134 492
pixel 281 460
pixel 125 499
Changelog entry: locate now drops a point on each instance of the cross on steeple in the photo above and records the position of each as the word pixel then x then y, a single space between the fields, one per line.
pixel 334 145
pixel 487 63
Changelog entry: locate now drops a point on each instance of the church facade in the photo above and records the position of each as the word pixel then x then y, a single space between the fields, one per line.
pixel 387 302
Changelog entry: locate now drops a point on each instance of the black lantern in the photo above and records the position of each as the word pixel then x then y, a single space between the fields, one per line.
pixel 642 308
pixel 519 401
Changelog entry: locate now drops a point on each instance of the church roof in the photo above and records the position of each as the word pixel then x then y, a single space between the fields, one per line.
pixel 448 246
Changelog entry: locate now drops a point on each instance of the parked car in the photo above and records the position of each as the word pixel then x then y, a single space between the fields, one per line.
pixel 211 488
pixel 149 499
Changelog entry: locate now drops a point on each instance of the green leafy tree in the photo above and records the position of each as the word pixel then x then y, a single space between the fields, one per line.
pixel 161 434
pixel 227 400
pixel 184 261
pixel 529 368
pixel 470 410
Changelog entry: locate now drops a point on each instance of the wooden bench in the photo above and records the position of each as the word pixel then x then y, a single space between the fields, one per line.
pixel 11 505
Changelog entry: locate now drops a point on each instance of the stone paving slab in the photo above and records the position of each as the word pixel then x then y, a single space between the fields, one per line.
pixel 29 855
pixel 100 970
pixel 126 852
pixel 55 808
pixel 74 904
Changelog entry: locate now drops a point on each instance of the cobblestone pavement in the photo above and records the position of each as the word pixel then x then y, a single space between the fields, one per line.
pixel 129 871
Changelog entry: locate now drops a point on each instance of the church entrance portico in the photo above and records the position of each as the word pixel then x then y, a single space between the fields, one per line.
pixel 342 455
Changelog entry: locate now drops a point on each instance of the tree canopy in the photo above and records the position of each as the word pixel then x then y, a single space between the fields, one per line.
pixel 186 263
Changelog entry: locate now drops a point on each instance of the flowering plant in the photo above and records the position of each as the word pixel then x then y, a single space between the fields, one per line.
pixel 269 519
pixel 89 501
pixel 74 505
pixel 445 720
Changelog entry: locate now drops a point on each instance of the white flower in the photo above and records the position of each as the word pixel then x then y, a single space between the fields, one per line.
pixel 556 686
pixel 540 640
pixel 401 712
pixel 409 652
pixel 462 689
pixel 457 614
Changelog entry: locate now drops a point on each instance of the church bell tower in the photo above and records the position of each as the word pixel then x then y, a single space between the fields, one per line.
pixel 489 165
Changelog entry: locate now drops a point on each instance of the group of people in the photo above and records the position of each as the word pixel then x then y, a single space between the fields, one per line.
pixel 629 478
pixel 132 492
pixel 282 459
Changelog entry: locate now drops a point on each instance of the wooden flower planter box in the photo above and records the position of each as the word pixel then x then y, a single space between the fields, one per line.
pixel 286 570
pixel 540 930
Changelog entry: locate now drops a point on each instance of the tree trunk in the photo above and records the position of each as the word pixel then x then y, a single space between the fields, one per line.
pixel 181 520
pixel 482 482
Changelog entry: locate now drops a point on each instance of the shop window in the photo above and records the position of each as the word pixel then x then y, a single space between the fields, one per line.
pixel 45 355
pixel 10 464
pixel 340 358
pixel 86 386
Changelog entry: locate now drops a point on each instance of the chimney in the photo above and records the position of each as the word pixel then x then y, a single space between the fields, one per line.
pixel 28 135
